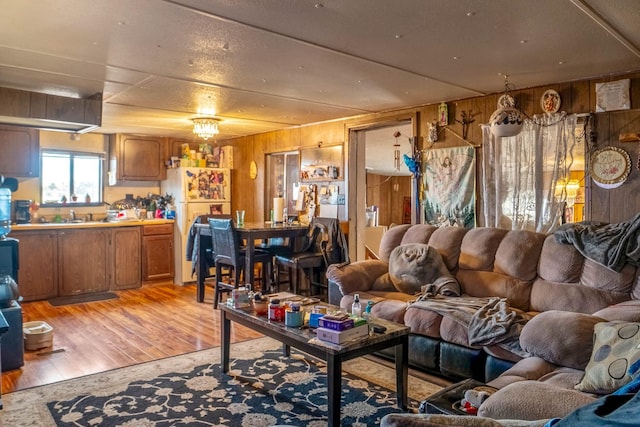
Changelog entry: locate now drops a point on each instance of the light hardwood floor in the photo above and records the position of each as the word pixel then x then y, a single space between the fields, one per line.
pixel 141 325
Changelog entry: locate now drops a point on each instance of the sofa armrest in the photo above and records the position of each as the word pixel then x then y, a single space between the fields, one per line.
pixel 627 311
pixel 436 420
pixel 358 276
pixel 561 337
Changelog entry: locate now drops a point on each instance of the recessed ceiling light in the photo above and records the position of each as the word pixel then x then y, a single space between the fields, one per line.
pixel 471 13
pixel 560 62
pixel 524 41
pixel 399 36
pixel 455 58
pixel 318 5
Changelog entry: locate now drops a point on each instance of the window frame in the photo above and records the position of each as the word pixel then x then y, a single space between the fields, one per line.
pixel 73 153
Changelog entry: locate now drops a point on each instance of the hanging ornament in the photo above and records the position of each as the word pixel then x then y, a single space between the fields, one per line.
pixel 507 120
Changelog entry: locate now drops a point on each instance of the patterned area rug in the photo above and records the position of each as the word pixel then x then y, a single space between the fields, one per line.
pixel 262 389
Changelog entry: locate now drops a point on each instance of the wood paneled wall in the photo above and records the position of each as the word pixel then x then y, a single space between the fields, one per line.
pixel 577 97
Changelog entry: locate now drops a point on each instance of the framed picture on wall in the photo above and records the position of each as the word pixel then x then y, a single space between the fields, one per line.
pixel 406 210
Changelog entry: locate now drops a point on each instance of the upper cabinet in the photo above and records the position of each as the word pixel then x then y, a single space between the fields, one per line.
pixel 19 151
pixel 44 111
pixel 138 158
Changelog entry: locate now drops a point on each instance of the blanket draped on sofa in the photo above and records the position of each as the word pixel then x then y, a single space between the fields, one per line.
pixel 489 321
pixel 610 245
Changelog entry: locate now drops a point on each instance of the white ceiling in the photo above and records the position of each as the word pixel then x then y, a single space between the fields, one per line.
pixel 262 65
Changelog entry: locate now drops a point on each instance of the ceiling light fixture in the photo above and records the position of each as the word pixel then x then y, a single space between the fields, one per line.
pixel 507 120
pixel 205 127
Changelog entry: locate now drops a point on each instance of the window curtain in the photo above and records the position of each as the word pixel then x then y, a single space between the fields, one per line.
pixel 521 173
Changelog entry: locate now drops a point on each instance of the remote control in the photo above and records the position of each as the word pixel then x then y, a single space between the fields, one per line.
pixel 379 329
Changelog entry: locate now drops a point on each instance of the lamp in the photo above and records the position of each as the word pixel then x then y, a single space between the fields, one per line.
pixel 205 127
pixel 396 151
pixel 570 188
pixel 507 120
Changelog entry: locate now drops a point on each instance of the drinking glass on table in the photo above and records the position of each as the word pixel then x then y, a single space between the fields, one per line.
pixel 240 218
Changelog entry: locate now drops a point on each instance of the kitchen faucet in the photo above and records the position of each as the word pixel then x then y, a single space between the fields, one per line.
pixel 72 215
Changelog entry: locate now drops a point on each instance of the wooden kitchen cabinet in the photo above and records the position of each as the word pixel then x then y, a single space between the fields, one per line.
pixel 19 151
pixel 138 158
pixel 38 257
pixel 157 252
pixel 83 261
pixel 125 262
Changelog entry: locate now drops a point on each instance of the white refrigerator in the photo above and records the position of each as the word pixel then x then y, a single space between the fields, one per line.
pixel 196 191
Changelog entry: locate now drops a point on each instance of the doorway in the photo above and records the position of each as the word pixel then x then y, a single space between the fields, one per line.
pixel 390 187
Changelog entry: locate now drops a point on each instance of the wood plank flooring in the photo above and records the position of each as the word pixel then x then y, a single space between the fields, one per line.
pixel 141 325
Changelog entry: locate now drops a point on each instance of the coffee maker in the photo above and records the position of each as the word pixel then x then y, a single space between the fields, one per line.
pixel 22 214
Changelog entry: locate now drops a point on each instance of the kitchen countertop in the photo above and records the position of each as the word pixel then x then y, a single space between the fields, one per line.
pixel 88 224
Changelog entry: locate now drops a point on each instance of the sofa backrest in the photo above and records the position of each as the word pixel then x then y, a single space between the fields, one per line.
pixel 568 281
pixel 531 270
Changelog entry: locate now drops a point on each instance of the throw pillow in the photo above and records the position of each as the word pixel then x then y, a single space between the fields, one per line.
pixel 616 347
pixel 413 265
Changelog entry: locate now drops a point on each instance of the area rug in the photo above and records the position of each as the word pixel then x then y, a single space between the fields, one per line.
pixel 82 298
pixel 263 388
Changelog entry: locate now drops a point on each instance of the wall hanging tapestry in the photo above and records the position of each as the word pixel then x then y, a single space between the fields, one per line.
pixel 449 182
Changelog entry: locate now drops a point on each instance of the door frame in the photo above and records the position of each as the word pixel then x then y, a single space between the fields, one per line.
pixel 356 179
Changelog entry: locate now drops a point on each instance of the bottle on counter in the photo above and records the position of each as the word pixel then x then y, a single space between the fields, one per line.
pixel 356 307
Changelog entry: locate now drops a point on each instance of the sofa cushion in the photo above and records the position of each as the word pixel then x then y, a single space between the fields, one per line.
pixel 616 347
pixel 489 284
pixel 413 265
pixel 560 337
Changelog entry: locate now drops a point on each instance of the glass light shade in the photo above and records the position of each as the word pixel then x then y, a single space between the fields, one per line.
pixel 506 121
pixel 205 127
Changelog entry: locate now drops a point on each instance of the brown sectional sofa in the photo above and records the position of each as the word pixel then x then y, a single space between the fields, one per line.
pixel 563 293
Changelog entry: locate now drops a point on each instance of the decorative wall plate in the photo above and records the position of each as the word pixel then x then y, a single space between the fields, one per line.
pixel 550 101
pixel 610 167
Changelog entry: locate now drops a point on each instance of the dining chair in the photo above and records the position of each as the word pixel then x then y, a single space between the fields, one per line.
pixel 323 238
pixel 205 243
pixel 229 253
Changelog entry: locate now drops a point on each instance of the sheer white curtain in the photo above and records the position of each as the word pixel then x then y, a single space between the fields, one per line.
pixel 520 174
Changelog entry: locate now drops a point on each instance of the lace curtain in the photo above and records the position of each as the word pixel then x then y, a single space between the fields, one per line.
pixel 520 174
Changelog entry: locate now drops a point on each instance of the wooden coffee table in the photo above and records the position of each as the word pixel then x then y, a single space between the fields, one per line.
pixel 303 339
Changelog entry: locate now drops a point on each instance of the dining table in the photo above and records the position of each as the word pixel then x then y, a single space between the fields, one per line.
pixel 249 232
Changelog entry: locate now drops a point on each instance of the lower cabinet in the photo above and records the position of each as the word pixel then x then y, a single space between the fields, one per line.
pixel 125 258
pixel 38 258
pixel 77 261
pixel 157 252
pixel 82 260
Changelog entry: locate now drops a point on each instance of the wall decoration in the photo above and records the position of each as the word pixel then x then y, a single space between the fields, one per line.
pixel 611 96
pixel 550 101
pixel 449 187
pixel 406 210
pixel 443 115
pixel 610 167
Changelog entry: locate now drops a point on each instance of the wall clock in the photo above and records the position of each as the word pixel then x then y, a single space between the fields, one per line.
pixel 610 167
pixel 253 170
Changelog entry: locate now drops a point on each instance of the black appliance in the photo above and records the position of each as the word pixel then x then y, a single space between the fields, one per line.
pixel 22 214
pixel 12 349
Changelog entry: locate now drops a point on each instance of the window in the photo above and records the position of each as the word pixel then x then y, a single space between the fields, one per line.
pixel 71 177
